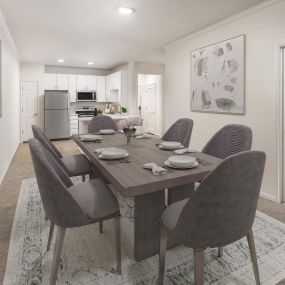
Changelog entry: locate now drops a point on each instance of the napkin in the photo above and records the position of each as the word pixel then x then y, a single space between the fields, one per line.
pixel 156 170
pixel 184 150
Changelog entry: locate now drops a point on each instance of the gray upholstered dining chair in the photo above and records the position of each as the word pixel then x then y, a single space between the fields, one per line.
pixel 229 140
pixel 221 211
pixel 68 205
pixel 100 123
pixel 74 165
pixel 180 131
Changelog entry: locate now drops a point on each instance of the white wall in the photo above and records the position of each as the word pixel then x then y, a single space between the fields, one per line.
pixel 10 85
pixel 264 28
pixel 35 72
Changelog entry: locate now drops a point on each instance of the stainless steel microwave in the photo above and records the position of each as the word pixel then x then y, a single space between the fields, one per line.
pixel 84 96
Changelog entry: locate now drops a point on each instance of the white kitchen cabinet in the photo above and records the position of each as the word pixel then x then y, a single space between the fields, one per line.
pixel 50 81
pixel 91 82
pixel 72 87
pixel 113 87
pixel 62 81
pixel 55 81
pixel 81 82
pixel 101 89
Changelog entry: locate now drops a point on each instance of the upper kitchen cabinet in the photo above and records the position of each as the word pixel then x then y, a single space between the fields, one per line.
pixel 81 82
pixel 91 82
pixel 113 87
pixel 50 81
pixel 56 81
pixel 62 81
pixel 72 87
pixel 86 82
pixel 101 89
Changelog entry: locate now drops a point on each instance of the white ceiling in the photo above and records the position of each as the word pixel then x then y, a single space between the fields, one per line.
pixel 92 30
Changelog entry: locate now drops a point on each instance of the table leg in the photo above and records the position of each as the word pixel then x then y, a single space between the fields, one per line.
pixel 179 193
pixel 148 211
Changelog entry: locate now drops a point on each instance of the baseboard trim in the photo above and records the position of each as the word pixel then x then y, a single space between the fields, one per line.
pixel 8 164
pixel 268 196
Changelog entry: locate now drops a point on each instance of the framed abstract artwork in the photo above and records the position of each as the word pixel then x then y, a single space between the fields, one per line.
pixel 218 77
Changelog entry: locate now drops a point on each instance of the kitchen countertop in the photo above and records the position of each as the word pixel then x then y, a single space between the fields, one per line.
pixel 113 116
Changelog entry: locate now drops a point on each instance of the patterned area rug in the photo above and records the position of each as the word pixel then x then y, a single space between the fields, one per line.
pixel 88 257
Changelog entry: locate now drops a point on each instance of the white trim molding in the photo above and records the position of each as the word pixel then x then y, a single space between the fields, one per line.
pixel 280 112
pixel 8 164
pixel 223 22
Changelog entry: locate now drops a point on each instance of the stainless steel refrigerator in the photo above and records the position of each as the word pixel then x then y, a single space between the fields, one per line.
pixel 57 125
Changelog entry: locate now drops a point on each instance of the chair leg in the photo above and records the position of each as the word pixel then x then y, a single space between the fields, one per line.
pixel 117 222
pixel 250 240
pixel 162 253
pixel 56 255
pixel 220 251
pixel 101 227
pixel 46 217
pixel 50 235
pixel 83 178
pixel 199 266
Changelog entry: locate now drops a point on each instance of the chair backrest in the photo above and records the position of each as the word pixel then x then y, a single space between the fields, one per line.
pixel 229 140
pixel 180 131
pixel 223 207
pixel 59 205
pixel 100 123
pixel 40 136
pixel 48 145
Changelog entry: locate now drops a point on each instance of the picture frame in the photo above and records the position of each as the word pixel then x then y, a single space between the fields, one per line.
pixel 217 77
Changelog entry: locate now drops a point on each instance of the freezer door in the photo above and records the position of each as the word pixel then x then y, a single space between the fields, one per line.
pixel 57 125
pixel 56 100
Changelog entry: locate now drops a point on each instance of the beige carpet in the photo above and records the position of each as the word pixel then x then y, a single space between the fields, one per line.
pixel 21 168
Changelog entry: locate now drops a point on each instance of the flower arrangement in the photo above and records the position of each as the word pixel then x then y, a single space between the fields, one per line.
pixel 129 131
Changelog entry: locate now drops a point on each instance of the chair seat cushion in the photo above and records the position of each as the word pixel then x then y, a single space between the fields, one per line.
pixel 77 164
pixel 95 199
pixel 171 214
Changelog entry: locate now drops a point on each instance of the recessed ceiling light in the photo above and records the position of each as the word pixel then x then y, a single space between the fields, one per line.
pixel 60 60
pixel 126 10
pixel 90 63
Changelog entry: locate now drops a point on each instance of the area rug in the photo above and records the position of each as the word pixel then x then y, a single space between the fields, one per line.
pixel 88 257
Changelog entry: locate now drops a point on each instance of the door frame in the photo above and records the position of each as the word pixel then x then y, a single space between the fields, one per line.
pixel 280 111
pixel 21 105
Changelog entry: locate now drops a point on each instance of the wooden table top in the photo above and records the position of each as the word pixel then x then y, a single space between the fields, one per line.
pixel 131 179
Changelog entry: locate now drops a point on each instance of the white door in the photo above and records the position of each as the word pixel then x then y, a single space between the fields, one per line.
pixel 62 81
pixel 72 87
pixel 101 89
pixel 91 82
pixel 29 108
pixel 81 82
pixel 148 98
pixel 50 81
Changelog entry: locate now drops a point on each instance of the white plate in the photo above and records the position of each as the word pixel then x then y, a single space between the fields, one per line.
pixel 171 144
pixel 168 164
pixel 171 147
pixel 182 160
pixel 107 132
pixel 125 155
pixel 90 138
pixel 113 153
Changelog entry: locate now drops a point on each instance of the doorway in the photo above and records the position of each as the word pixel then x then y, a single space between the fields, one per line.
pixel 150 102
pixel 29 108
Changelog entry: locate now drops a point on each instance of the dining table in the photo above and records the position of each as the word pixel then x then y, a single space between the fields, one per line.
pixel 148 191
